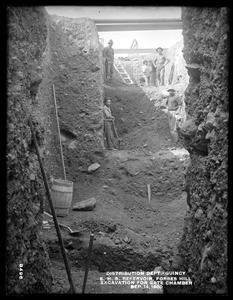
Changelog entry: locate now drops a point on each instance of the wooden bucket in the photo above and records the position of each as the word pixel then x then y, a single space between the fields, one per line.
pixel 61 194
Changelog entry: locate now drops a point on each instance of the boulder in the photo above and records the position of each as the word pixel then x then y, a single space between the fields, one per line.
pixel 72 145
pixel 158 269
pixel 85 205
pixel 189 128
pixel 93 167
pixel 117 241
pixel 198 214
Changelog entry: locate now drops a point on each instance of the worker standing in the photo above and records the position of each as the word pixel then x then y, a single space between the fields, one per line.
pixel 109 60
pixel 160 62
pixel 108 121
pixel 174 104
pixel 146 72
pixel 152 74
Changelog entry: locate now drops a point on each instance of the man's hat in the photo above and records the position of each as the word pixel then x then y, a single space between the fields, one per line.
pixel 158 49
pixel 110 42
pixel 171 89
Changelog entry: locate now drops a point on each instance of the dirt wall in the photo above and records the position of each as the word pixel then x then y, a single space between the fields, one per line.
pixel 43 52
pixel 177 62
pixel 78 80
pixel 27 264
pixel 204 242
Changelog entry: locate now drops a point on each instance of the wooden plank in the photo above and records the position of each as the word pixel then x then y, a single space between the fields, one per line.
pixel 137 21
pixel 147 50
pixel 139 27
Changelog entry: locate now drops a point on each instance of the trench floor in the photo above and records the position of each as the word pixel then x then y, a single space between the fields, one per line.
pixel 134 232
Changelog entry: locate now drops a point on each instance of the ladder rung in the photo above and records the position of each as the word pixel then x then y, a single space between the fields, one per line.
pixel 123 73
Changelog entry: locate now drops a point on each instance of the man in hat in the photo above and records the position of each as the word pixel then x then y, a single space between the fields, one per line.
pixel 174 104
pixel 160 62
pixel 108 119
pixel 109 60
pixel 146 72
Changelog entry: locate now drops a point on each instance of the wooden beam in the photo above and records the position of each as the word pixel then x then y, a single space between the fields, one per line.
pixel 148 50
pixel 136 21
pixel 138 27
pixel 137 24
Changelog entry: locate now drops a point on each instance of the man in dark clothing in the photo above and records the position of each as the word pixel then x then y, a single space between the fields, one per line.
pixel 108 119
pixel 109 56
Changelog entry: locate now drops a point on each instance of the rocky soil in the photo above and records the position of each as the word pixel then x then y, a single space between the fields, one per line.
pixel 135 234
pixel 204 244
pixel 183 226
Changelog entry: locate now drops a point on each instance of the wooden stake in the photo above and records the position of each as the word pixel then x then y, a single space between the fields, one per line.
pixel 72 286
pixel 149 192
pixel 102 263
pixel 63 164
pixel 88 262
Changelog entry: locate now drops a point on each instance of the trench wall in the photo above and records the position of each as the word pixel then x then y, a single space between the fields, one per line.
pixel 42 52
pixel 78 81
pixel 204 243
pixel 27 36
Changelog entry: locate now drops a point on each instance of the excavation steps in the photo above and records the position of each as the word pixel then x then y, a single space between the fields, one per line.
pixel 123 73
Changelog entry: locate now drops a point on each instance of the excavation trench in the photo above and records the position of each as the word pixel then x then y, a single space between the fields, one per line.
pixel 125 223
pixel 117 258
pixel 135 232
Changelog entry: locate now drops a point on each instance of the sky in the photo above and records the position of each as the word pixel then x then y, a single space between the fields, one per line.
pixel 124 39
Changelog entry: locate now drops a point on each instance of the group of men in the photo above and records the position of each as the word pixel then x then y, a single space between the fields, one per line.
pixel 154 75
pixel 154 71
pixel 173 105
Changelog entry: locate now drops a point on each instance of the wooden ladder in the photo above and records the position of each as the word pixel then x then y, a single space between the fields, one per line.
pixel 123 73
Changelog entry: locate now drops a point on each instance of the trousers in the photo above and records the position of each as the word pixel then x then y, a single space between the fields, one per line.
pixel 108 68
pixel 159 76
pixel 108 134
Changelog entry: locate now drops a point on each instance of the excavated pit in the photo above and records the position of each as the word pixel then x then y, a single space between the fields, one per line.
pixel 135 233
pixel 134 247
pixel 116 258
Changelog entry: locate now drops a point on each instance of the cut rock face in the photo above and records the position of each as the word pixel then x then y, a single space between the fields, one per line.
pixel 85 205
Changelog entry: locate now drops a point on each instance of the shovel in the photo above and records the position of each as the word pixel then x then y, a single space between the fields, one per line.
pixel 71 232
pixel 115 132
